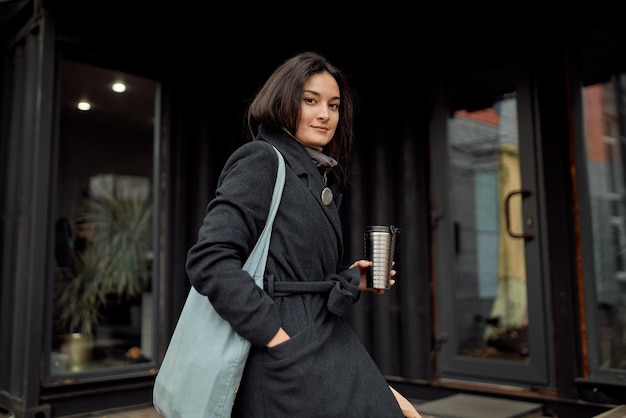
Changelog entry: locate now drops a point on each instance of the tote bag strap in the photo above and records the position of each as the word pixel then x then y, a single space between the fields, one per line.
pixel 255 264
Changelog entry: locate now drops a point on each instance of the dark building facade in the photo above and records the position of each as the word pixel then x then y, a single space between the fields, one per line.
pixel 496 145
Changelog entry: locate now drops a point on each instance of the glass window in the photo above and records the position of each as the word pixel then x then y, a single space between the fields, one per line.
pixel 604 146
pixel 102 300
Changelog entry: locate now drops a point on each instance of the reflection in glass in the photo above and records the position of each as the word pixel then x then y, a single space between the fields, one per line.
pixel 103 248
pixel 604 127
pixel 490 286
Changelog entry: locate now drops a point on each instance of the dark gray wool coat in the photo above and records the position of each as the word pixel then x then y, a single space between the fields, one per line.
pixel 323 370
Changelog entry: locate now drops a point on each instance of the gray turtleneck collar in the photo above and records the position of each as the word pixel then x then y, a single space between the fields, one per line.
pixel 320 159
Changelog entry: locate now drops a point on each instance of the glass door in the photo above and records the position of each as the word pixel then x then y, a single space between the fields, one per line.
pixel 491 321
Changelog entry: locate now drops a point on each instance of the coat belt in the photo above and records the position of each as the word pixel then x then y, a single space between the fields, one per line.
pixel 341 294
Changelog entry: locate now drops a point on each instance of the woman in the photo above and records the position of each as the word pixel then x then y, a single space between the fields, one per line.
pixel 305 359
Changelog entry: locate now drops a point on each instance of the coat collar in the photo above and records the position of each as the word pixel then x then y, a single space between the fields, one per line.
pixel 303 166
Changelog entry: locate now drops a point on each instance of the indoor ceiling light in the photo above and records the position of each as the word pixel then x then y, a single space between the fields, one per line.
pixel 119 87
pixel 84 105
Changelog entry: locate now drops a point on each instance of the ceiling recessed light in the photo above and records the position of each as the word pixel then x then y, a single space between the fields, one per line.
pixel 119 87
pixel 84 105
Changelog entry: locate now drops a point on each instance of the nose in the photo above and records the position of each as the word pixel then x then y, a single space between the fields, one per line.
pixel 323 112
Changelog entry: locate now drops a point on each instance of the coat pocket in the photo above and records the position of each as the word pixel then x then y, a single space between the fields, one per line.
pixel 298 368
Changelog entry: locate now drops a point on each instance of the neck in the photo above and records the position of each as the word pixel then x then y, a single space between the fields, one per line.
pixel 294 137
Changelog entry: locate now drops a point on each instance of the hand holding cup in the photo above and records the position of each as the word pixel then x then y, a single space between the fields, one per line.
pixel 364 266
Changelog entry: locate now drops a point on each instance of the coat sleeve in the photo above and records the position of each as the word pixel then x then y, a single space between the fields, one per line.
pixel 232 224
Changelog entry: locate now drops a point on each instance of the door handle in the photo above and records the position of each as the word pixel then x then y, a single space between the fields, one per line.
pixel 507 216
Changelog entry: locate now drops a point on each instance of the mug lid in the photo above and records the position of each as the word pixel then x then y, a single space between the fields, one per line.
pixel 382 228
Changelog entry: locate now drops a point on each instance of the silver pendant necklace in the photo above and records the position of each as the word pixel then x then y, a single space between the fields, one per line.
pixel 327 194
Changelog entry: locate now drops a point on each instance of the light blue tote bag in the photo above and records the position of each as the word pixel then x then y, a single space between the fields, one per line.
pixel 205 358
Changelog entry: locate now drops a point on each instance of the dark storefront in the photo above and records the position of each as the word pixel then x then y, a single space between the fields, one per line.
pixel 498 151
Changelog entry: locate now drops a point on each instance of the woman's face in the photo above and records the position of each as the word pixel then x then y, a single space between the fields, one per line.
pixel 319 111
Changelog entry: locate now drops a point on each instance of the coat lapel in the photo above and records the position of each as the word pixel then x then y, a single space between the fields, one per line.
pixel 300 162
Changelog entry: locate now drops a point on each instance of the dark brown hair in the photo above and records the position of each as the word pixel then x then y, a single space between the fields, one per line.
pixel 279 101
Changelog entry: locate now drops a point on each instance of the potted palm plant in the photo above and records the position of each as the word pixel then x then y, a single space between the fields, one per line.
pixel 113 264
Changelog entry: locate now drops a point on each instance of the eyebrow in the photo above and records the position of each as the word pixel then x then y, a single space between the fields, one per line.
pixel 318 94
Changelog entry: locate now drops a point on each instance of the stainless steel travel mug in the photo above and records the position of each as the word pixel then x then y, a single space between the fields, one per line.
pixel 380 242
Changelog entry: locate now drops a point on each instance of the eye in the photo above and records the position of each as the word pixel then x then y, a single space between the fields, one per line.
pixel 334 106
pixel 309 100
